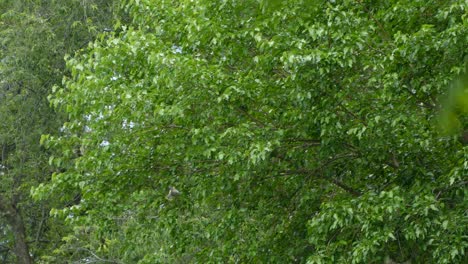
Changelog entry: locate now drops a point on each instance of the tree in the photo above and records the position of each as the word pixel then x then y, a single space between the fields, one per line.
pixel 35 36
pixel 297 131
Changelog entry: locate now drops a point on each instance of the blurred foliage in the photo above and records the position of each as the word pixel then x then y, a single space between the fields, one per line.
pixel 454 114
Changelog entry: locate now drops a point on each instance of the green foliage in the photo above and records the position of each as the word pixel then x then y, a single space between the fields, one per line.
pixel 453 118
pixel 296 131
pixel 34 38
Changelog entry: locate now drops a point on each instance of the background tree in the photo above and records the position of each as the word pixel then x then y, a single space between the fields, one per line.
pixel 35 36
pixel 296 131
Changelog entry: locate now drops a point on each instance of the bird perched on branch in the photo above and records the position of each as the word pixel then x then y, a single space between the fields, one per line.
pixel 173 192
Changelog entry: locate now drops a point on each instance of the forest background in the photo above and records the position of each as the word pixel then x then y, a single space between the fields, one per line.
pixel 293 131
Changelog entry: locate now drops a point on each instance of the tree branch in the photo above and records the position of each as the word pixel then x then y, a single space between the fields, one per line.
pixel 97 257
pixel 315 171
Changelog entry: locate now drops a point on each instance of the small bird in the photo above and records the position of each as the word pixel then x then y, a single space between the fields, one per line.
pixel 173 192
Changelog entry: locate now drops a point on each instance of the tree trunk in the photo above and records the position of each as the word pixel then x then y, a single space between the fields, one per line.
pixel 15 221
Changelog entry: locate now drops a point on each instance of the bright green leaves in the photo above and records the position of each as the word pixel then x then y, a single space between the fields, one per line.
pixel 372 226
pixel 266 119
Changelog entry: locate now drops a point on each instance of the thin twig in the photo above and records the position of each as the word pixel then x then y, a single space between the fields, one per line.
pixel 97 257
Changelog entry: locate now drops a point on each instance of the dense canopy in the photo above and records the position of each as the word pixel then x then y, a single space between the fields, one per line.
pixel 284 131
